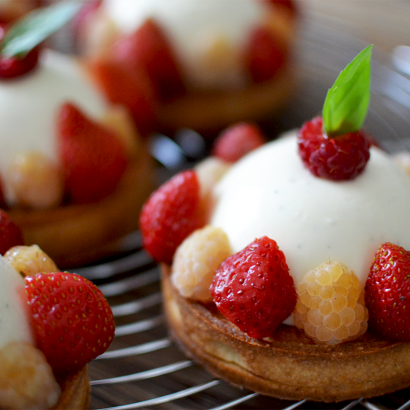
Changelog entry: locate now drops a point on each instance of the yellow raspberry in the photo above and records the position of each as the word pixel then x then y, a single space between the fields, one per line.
pixel 35 180
pixel 209 172
pixel 26 379
pixel 30 260
pixel 330 307
pixel 196 261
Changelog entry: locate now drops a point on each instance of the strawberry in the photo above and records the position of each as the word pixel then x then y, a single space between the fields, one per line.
pixel 264 55
pixel 10 233
pixel 82 19
pixel 148 47
pixel 170 214
pixel 287 4
pixel 12 67
pixel 93 158
pixel 253 288
pixel 2 200
pixel 130 87
pixel 72 321
pixel 237 140
pixel 387 292
pixel 339 158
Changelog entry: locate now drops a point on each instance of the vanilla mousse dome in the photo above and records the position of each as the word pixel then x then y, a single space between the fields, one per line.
pixel 29 106
pixel 208 40
pixel 313 220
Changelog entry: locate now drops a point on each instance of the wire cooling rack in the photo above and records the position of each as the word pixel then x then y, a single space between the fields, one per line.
pixel 143 368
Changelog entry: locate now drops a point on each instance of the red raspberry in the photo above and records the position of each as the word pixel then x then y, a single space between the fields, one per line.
pixel 265 55
pixel 387 293
pixel 253 288
pixel 10 233
pixel 339 158
pixel 237 140
pixel 12 67
pixel 170 214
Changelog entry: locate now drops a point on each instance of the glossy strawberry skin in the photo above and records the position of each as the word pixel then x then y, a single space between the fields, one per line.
pixel 340 158
pixel 127 86
pixel 10 233
pixel 253 288
pixel 387 293
pixel 12 67
pixel 93 158
pixel 170 214
pixel 265 55
pixel 238 140
pixel 148 47
pixel 72 321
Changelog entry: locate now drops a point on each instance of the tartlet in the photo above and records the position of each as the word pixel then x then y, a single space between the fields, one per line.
pixel 71 230
pixel 208 84
pixel 55 323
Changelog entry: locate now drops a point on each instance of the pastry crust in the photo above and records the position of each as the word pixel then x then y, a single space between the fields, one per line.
pixel 210 112
pixel 73 235
pixel 290 366
pixel 75 392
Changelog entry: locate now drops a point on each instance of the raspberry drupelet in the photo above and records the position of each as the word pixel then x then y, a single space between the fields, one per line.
pixel 339 158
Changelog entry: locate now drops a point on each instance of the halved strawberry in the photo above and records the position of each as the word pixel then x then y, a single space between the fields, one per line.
pixel 72 321
pixel 93 157
pixel 264 55
pixel 148 46
pixel 130 87
pixel 290 5
pixel 10 233
pixel 170 214
pixel 253 288
pixel 82 18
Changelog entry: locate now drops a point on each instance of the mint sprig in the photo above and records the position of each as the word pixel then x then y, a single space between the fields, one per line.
pixel 346 103
pixel 35 27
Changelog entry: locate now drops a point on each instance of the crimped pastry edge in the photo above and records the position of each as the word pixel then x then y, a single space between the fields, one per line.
pixel 290 366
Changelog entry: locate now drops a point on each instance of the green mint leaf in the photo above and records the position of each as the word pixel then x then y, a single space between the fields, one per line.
pixel 35 27
pixel 346 103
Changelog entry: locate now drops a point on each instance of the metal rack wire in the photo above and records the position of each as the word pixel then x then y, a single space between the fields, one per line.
pixel 143 368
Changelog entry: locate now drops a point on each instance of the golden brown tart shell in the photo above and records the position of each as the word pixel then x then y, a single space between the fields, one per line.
pixel 75 392
pixel 210 112
pixel 289 366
